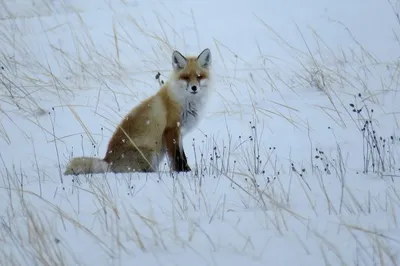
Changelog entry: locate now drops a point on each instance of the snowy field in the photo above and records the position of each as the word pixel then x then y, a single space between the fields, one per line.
pixel 296 161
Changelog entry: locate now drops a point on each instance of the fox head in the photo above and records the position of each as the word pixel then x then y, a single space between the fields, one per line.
pixel 191 74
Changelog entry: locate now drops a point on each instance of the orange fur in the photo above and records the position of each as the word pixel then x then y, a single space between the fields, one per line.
pixel 141 138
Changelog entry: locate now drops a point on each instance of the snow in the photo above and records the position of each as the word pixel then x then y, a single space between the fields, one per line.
pixel 285 73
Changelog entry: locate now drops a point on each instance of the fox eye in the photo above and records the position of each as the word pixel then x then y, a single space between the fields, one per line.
pixel 185 77
pixel 199 76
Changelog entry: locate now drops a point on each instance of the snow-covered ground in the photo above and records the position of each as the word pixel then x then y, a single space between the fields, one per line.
pixel 296 162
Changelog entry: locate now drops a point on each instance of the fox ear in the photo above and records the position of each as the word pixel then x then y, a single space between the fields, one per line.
pixel 204 58
pixel 178 60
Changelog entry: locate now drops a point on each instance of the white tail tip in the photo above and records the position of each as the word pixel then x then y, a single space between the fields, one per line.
pixel 86 165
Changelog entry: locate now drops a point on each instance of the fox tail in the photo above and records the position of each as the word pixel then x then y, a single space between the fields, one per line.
pixel 86 165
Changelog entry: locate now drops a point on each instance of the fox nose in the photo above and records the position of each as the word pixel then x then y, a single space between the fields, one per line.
pixel 194 88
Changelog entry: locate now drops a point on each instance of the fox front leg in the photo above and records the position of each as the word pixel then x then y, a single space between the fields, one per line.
pixel 175 150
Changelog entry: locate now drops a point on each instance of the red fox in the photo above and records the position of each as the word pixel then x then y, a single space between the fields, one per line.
pixel 156 126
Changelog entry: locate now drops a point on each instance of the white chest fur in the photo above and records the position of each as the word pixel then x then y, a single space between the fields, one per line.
pixel 192 111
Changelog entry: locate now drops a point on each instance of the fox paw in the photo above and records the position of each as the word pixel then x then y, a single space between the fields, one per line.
pixel 183 168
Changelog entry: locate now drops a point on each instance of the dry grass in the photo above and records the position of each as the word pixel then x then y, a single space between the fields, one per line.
pixel 98 211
